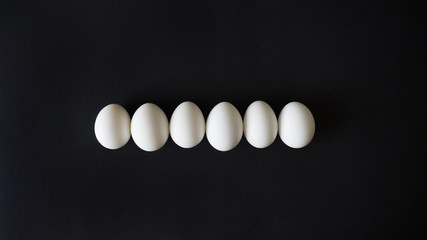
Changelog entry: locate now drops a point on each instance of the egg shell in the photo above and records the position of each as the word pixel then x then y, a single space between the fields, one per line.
pixel 224 127
pixel 296 125
pixel 112 126
pixel 260 124
pixel 149 127
pixel 187 125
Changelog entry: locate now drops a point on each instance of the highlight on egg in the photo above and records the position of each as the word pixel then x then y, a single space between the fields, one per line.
pixel 187 125
pixel 260 124
pixel 149 127
pixel 112 126
pixel 296 125
pixel 224 127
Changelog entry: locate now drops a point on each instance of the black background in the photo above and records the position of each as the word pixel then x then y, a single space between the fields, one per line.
pixel 357 65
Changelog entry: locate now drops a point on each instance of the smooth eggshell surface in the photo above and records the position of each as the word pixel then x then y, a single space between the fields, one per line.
pixel 224 127
pixel 296 125
pixel 260 124
pixel 149 127
pixel 112 126
pixel 187 125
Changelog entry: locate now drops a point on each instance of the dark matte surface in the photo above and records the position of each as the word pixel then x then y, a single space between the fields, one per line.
pixel 358 67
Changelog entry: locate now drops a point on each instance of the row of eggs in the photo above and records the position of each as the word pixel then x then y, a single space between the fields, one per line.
pixel 224 126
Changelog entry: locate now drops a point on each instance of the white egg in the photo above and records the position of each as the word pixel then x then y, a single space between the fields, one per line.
pixel 260 124
pixel 224 127
pixel 112 126
pixel 296 125
pixel 149 127
pixel 187 125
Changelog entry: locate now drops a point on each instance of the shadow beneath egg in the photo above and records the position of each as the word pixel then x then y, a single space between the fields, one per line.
pixel 329 112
